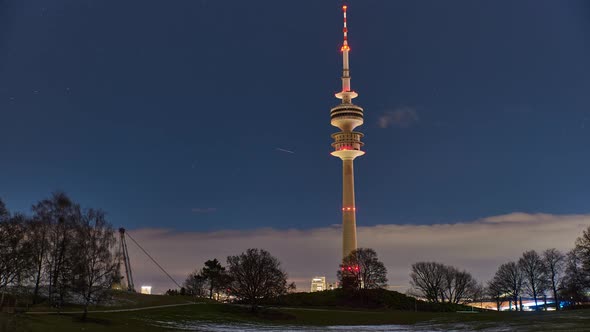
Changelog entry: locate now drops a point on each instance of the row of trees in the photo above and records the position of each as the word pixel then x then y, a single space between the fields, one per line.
pixel 439 283
pixel 60 252
pixel 539 276
pixel 250 277
pixel 255 276
pixel 551 273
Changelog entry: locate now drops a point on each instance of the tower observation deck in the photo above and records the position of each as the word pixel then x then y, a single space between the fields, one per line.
pixel 347 145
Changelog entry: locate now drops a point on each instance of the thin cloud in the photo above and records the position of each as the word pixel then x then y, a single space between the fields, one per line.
pixel 284 150
pixel 402 117
pixel 479 246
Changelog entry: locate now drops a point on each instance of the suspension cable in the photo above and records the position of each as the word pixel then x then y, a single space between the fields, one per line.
pixel 153 260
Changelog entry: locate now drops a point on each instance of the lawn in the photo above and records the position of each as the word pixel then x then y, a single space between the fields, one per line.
pixel 122 300
pixel 325 309
pixel 155 319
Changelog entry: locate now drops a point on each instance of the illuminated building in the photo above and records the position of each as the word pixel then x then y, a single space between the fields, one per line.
pixel 347 146
pixel 318 284
pixel 146 290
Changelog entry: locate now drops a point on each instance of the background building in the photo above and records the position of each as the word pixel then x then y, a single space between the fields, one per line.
pixel 146 290
pixel 318 284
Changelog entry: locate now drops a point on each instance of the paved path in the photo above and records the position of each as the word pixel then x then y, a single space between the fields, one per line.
pixel 111 310
pixel 178 305
pixel 300 308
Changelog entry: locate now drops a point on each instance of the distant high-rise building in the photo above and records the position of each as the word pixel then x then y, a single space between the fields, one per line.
pixel 318 284
pixel 347 146
pixel 146 290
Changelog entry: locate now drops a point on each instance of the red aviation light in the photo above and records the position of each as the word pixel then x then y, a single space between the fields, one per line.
pixel 344 8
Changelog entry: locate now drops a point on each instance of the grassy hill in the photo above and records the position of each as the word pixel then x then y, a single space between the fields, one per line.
pixel 371 299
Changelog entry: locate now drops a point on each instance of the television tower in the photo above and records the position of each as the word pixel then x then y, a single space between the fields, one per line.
pixel 347 145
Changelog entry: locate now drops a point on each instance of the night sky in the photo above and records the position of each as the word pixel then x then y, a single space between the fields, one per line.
pixel 177 114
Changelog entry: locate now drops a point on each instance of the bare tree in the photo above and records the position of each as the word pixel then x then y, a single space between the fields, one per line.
pixel 361 269
pixel 496 292
pixel 255 276
pixel 573 282
pixel 195 284
pixel 583 252
pixel 427 278
pixel 15 262
pixel 458 286
pixel 292 287
pixel 554 262
pixel 533 269
pixel 4 214
pixel 60 215
pixel 511 279
pixel 38 230
pixel 94 264
pixel 443 283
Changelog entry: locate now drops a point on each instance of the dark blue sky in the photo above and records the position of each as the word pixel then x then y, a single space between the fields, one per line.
pixel 170 113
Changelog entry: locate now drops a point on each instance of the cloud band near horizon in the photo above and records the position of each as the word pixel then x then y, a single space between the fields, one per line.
pixel 478 246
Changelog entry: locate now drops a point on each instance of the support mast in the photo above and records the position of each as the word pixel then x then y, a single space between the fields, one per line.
pixel 125 253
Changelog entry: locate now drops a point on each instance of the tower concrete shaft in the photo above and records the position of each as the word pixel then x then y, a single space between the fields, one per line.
pixel 348 216
pixel 347 146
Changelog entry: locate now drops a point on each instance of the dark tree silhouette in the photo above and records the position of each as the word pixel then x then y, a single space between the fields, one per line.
pixel 583 252
pixel 215 275
pixel 533 270
pixel 195 284
pixel 442 283
pixel 361 269
pixel 61 215
pixel 255 276
pixel 511 279
pixel 427 280
pixel 15 257
pixel 38 230
pixel 94 264
pixel 573 287
pixel 4 214
pixel 458 286
pixel 496 292
pixel 554 263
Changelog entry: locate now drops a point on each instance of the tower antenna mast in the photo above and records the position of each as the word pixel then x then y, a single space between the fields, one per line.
pixel 345 49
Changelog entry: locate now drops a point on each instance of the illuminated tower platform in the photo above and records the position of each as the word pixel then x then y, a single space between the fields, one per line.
pixel 347 146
